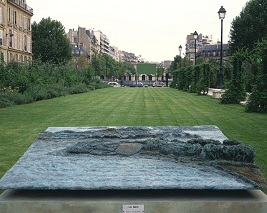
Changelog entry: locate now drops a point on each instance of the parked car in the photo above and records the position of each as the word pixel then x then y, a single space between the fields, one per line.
pixel 114 84
pixel 136 84
pixel 158 84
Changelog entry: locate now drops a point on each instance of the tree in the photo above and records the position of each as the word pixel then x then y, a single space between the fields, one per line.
pixel 250 26
pixel 235 88
pixel 175 64
pixel 257 101
pixel 49 42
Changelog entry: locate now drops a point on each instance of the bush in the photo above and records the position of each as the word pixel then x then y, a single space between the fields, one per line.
pixel 12 98
pixel 257 101
pixel 5 102
pixel 78 88
pixel 235 89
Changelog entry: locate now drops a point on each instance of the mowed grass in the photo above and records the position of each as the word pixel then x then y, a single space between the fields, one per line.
pixel 20 125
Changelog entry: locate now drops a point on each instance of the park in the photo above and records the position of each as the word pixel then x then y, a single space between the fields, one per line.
pixel 128 107
pixel 90 132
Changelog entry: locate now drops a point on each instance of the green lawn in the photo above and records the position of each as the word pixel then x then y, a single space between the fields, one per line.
pixel 20 125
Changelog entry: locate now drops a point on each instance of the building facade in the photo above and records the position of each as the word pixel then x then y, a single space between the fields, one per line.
pixel 214 51
pixel 103 41
pixel 201 41
pixel 15 31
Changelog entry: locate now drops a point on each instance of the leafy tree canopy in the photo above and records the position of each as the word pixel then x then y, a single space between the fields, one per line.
pixel 49 42
pixel 250 26
pixel 175 63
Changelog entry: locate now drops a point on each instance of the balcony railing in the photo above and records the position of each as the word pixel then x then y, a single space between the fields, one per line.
pixel 22 5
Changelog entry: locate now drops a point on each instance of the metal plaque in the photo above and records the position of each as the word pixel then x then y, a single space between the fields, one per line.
pixel 133 208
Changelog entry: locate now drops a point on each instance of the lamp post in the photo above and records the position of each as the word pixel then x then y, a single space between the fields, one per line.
pixel 221 14
pixel 195 37
pixel 180 50
pixel 167 77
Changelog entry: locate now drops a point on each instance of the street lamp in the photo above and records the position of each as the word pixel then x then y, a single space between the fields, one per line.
pixel 167 77
pixel 180 50
pixel 195 37
pixel 221 14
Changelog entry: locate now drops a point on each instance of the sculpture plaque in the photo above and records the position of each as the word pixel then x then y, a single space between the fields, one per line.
pixel 141 157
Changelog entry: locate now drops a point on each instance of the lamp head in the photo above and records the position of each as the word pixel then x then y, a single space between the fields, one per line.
pixel 195 35
pixel 221 13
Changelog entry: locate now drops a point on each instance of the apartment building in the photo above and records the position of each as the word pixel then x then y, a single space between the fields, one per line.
pixel 114 53
pixel 84 42
pixel 92 42
pixel 15 31
pixel 103 41
pixel 214 51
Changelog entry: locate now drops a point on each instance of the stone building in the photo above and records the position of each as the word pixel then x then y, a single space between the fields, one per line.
pixel 201 41
pixel 15 31
pixel 214 51
pixel 84 43
pixel 103 41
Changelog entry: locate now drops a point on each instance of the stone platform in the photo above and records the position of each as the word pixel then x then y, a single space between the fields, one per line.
pixel 144 201
pixel 123 158
pixel 166 169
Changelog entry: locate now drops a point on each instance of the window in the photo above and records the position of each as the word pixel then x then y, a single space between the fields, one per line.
pixel 2 58
pixel 9 15
pixel 15 17
pixel 21 42
pixel 29 44
pixel 29 24
pixel 143 77
pixel 1 37
pixel 10 38
pixel 25 43
pixel 15 40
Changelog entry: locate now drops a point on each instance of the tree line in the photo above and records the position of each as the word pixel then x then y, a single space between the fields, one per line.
pixel 245 71
pixel 53 73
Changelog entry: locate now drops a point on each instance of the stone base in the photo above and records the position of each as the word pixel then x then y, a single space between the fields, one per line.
pixel 153 201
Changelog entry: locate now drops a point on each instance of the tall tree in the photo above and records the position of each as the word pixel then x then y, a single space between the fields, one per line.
pixel 250 26
pixel 49 42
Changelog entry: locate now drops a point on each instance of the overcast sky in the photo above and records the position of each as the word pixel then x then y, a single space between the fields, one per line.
pixel 151 28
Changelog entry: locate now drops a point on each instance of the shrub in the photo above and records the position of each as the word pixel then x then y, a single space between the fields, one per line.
pixel 12 98
pixel 5 102
pixel 78 88
pixel 235 89
pixel 257 101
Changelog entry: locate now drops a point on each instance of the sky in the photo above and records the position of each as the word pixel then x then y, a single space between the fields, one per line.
pixel 153 29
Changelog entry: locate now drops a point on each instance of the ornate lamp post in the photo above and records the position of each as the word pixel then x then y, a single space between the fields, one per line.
pixel 221 14
pixel 180 50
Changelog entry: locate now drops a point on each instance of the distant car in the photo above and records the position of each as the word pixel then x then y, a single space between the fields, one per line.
pixel 114 84
pixel 137 84
pixel 158 84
